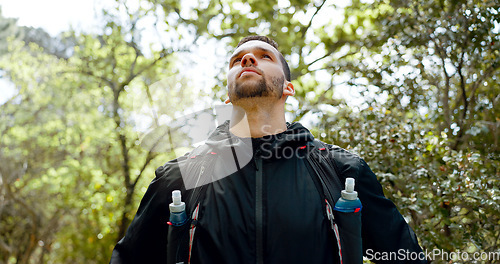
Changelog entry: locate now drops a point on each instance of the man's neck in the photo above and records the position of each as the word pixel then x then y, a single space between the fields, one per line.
pixel 258 121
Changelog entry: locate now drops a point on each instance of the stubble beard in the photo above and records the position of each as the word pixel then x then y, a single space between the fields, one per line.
pixel 259 89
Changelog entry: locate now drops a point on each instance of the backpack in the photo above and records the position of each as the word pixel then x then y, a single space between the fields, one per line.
pixel 319 161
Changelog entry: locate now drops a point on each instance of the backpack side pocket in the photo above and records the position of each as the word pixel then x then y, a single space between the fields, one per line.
pixel 180 240
pixel 178 243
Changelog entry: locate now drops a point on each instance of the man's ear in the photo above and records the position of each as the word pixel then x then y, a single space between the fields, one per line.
pixel 288 90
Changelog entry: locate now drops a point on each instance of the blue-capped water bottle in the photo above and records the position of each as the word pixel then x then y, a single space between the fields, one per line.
pixel 349 201
pixel 347 213
pixel 177 208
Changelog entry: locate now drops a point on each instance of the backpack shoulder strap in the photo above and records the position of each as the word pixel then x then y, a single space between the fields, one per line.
pixel 180 239
pixel 328 182
pixel 321 161
pixel 200 165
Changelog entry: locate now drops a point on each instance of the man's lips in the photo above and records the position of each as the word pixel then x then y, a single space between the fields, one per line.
pixel 249 70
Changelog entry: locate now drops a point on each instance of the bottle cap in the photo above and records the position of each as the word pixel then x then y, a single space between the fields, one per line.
pixel 177 205
pixel 349 184
pixel 349 193
pixel 176 197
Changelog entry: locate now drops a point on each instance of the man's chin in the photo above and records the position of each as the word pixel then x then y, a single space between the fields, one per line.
pixel 250 84
pixel 251 100
pixel 251 91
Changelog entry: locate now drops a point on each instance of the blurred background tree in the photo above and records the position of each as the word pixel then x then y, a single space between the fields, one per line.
pixel 411 87
pixel 434 139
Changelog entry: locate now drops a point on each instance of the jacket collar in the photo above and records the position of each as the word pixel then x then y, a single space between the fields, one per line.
pixel 296 135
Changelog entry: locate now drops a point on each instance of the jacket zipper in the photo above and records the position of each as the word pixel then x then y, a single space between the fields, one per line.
pixel 259 217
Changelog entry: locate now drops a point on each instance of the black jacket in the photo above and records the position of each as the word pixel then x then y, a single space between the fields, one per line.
pixel 259 203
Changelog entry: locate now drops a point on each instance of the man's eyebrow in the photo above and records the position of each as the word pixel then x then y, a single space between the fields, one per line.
pixel 261 49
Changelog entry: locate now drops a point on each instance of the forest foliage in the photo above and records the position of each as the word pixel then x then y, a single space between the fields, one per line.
pixel 411 86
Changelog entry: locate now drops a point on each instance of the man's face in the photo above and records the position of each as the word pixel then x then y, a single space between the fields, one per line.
pixel 255 70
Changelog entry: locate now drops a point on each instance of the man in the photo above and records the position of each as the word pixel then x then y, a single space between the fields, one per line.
pixel 250 194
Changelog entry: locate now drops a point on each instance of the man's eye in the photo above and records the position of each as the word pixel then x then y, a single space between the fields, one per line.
pixel 265 56
pixel 236 60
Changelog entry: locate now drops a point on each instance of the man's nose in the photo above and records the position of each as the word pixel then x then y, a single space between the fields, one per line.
pixel 248 59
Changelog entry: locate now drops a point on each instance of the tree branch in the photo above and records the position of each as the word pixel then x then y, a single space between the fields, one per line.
pixel 91 74
pixel 446 95
pixel 463 119
pixel 318 8
pixel 132 76
pixel 149 158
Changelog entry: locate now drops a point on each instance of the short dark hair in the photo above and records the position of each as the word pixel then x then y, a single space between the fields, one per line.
pixel 270 41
